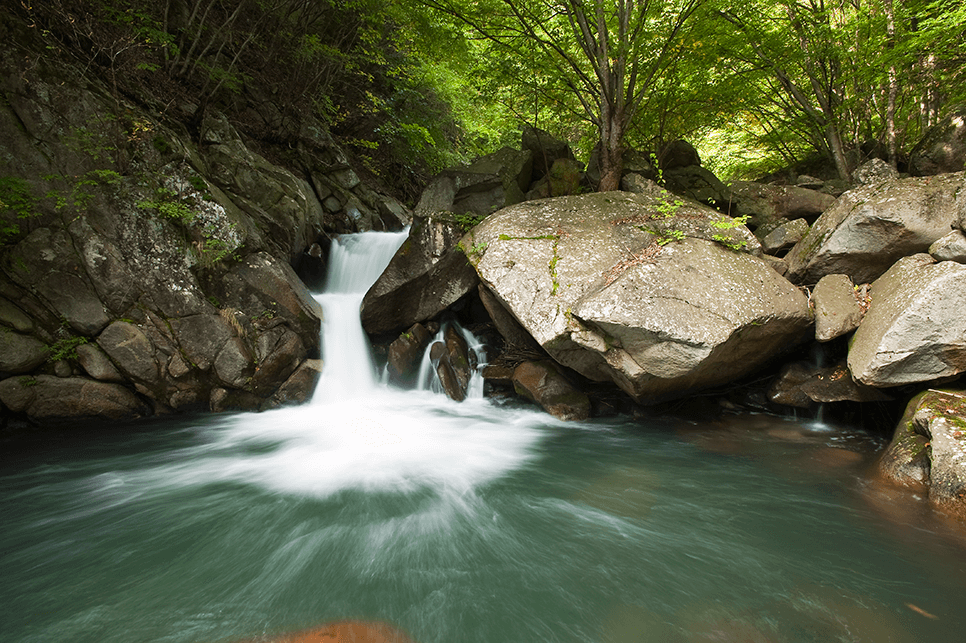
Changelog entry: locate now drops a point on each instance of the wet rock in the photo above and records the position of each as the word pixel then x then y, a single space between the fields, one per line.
pixel 12 316
pixel 46 397
pixel 587 280
pixel 298 388
pixel 928 450
pixel 406 352
pixel 544 383
pixel 279 351
pixel 837 309
pixel 871 227
pixel 426 276
pixel 804 385
pixel 915 326
pixel 448 378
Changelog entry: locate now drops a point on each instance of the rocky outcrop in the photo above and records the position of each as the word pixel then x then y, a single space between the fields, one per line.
pixel 426 275
pixel 648 293
pixel 135 258
pixel 405 354
pixel 915 330
pixel 871 227
pixel 928 450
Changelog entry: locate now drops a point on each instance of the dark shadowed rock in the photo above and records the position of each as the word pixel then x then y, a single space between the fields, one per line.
pixel 545 149
pixel 804 385
pixel 542 382
pixel 767 204
pixel 20 353
pixel 426 275
pixel 942 149
pixel 46 397
pixel 406 352
pixel 699 184
pixel 678 154
pixel 97 364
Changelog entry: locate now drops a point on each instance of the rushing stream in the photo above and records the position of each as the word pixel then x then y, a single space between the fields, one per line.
pixel 461 522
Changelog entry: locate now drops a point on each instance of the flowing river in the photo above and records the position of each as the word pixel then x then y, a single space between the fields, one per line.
pixel 470 522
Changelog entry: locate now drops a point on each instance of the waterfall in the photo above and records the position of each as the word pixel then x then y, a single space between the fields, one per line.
pixel 355 262
pixel 428 380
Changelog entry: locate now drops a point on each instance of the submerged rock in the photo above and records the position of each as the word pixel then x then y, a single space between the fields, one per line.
pixel 600 282
pixel 343 632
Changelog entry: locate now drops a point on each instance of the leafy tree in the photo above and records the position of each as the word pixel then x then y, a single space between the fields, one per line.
pixel 608 54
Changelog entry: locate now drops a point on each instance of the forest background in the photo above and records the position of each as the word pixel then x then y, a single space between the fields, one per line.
pixel 414 86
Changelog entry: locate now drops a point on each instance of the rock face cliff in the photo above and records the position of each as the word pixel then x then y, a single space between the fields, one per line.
pixel 145 269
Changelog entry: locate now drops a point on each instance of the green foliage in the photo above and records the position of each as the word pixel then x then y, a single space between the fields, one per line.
pixel 169 205
pixel 729 241
pixel 16 198
pixel 65 349
pixel 468 221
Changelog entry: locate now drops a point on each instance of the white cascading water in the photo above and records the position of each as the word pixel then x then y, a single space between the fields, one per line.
pixel 428 380
pixel 358 433
pixel 355 262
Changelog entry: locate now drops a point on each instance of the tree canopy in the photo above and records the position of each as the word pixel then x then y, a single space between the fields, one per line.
pixel 416 85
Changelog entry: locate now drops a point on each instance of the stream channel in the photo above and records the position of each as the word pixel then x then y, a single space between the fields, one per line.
pixel 478 522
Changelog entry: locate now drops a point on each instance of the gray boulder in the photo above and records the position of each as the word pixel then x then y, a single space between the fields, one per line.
pixel 784 236
pixel 870 227
pixel 952 247
pixel 838 310
pixel 678 154
pixel 426 275
pixel 699 184
pixel 928 450
pixel 766 203
pixel 601 282
pixel 486 185
pixel 915 330
pixel 874 171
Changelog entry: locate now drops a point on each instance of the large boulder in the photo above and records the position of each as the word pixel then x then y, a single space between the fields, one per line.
pixel 698 183
pixel 942 149
pixel 426 275
pixel 639 290
pixel 46 397
pixel 928 450
pixel 838 307
pixel 805 385
pixel 545 149
pixel 486 185
pixel 767 204
pixel 915 330
pixel 871 227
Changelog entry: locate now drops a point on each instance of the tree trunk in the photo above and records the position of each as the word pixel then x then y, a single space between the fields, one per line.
pixel 611 148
